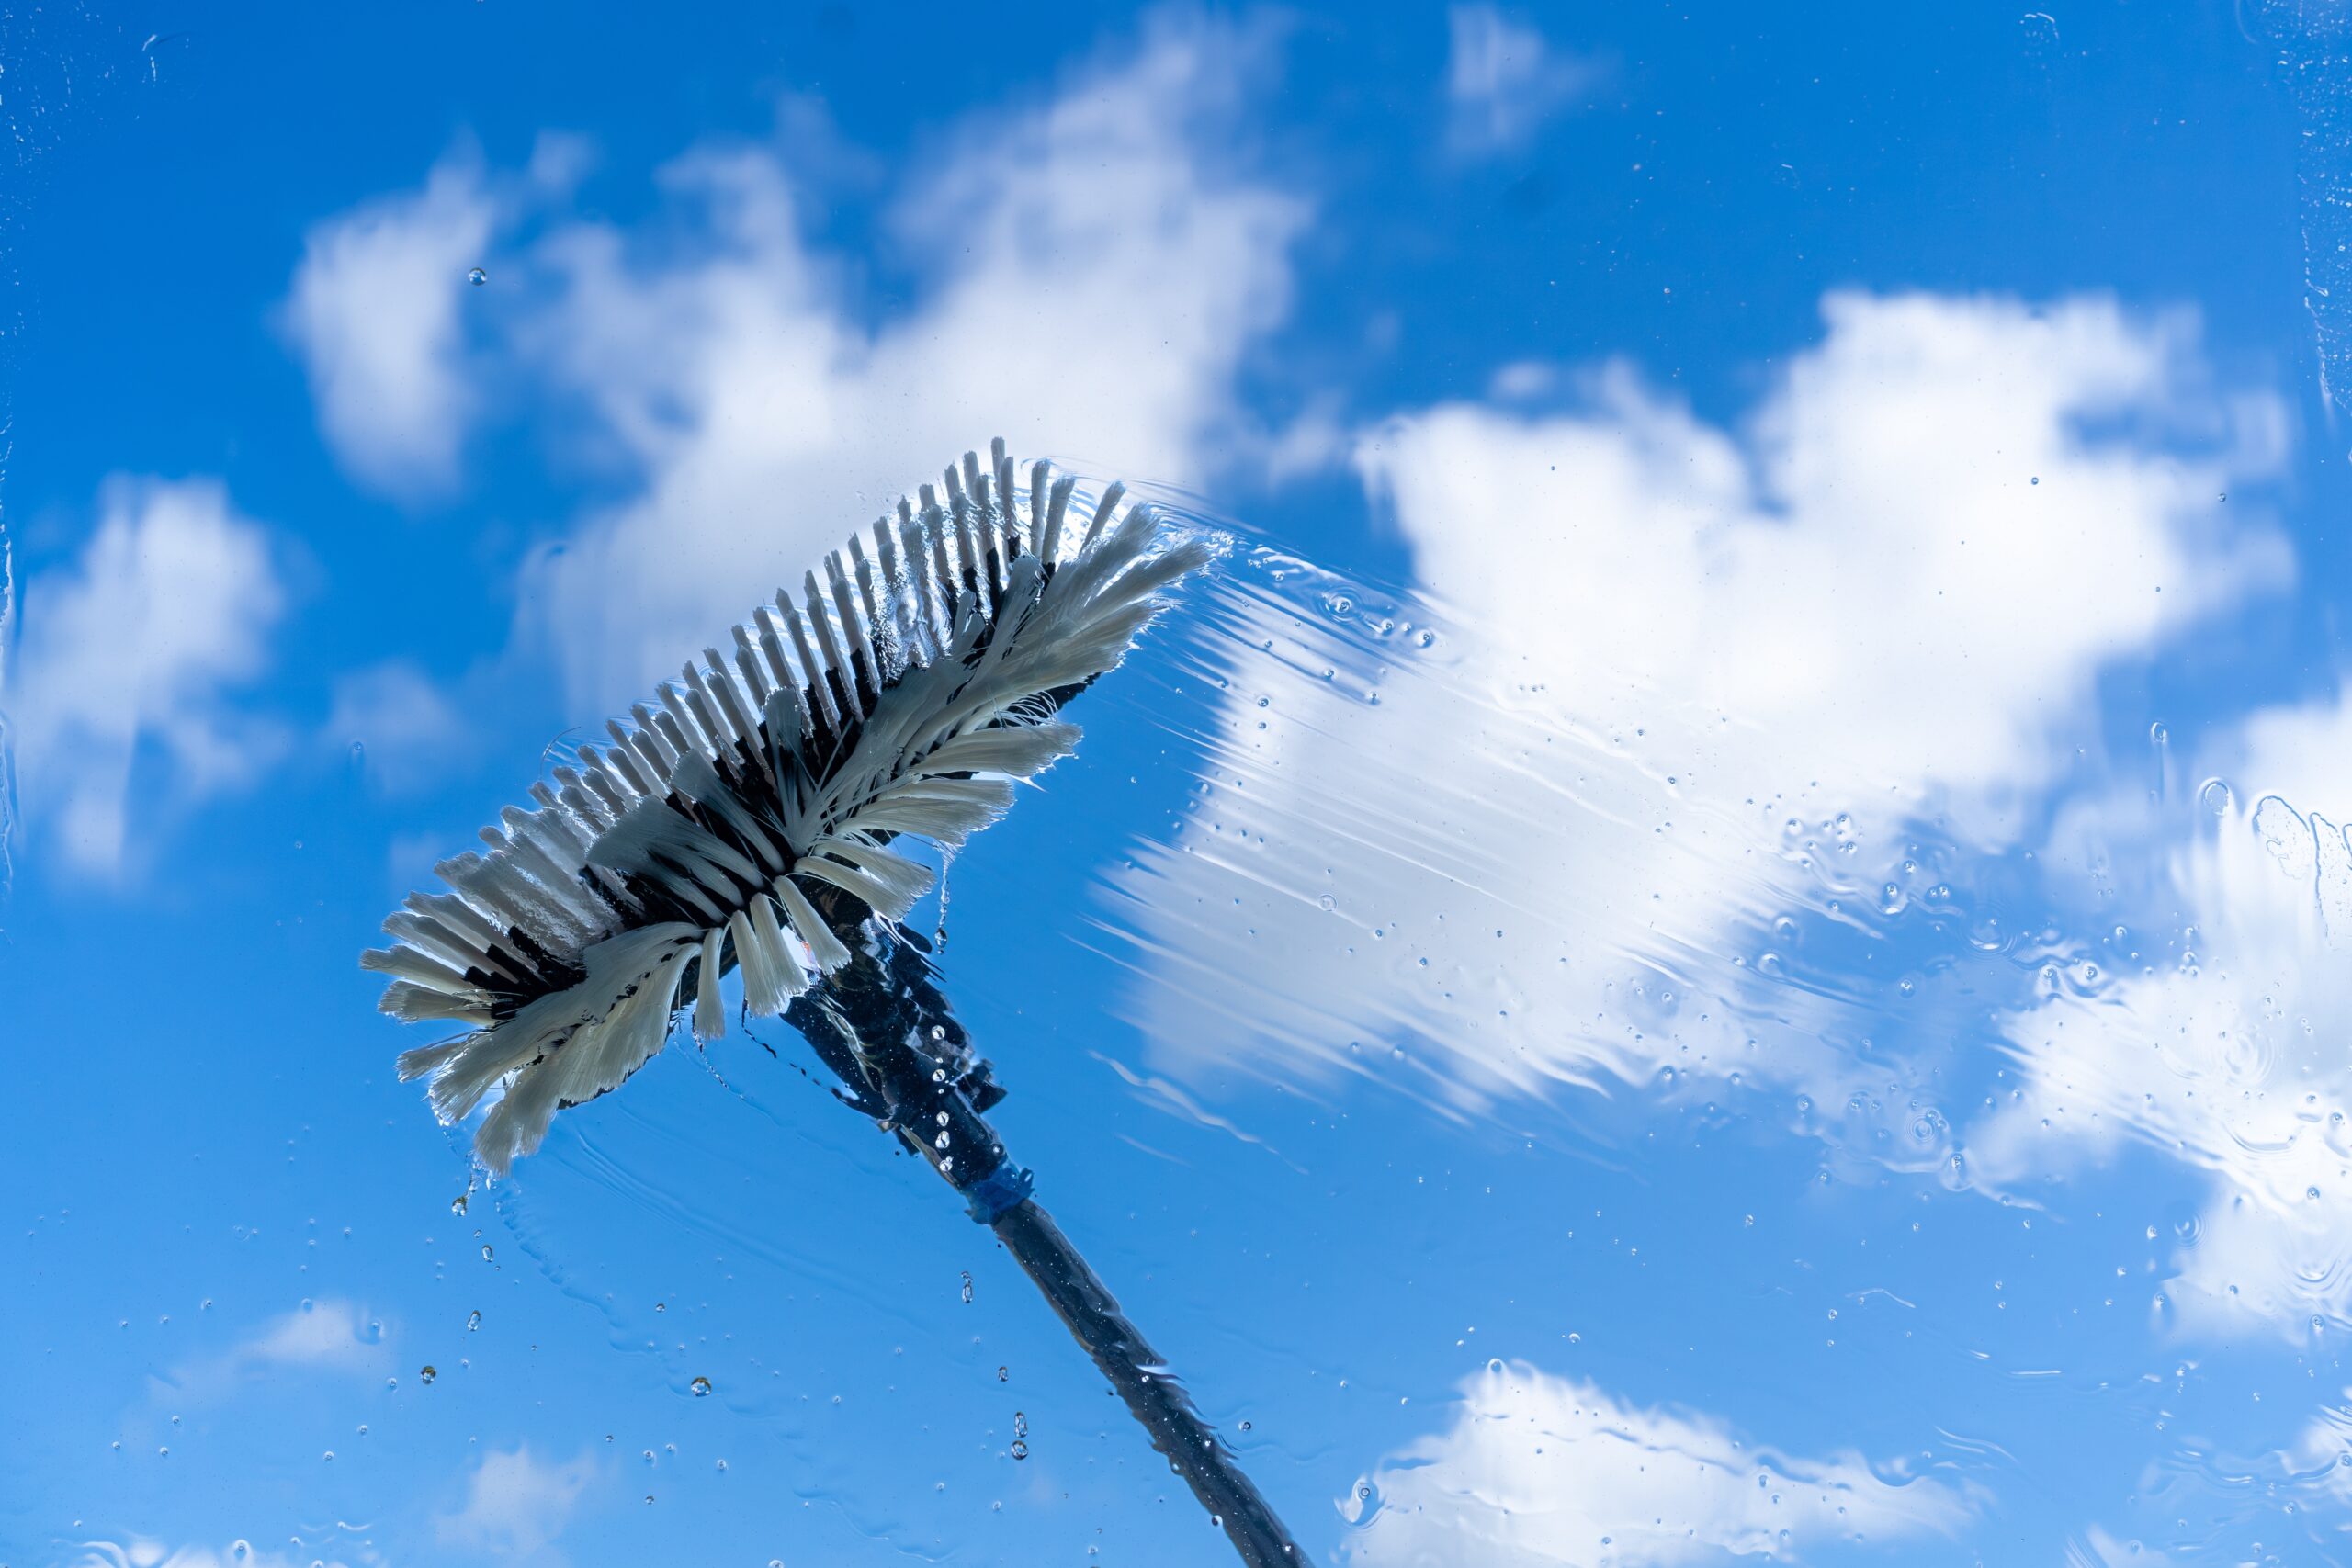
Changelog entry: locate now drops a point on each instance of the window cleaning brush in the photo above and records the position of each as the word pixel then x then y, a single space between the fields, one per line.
pixel 744 820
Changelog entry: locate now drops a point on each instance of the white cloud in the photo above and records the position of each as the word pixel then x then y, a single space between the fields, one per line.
pixel 1687 678
pixel 127 658
pixel 518 1504
pixel 2225 1049
pixel 1540 1470
pixel 1503 80
pixel 405 727
pixel 334 1335
pixel 1096 269
pixel 376 312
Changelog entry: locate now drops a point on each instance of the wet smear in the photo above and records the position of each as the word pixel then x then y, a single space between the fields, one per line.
pixel 2314 56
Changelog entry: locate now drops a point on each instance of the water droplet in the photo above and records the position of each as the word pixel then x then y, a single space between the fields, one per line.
pixel 2036 480
pixel 939 1032
pixel 1244 1425
pixel 968 1288
pixel 473 1321
pixel 1001 1374
pixel 701 1387
pixel 1339 605
pixel 1019 1449
pixel 477 277
pixel 1328 902
pixel 458 1204
pixel 2215 797
pixel 2158 734
pixel 428 1374
pixel 485 1252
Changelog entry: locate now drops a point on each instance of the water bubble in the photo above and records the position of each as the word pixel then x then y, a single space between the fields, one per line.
pixel 485 1252
pixel 2158 734
pixel 701 1387
pixel 473 1321
pixel 939 1032
pixel 2215 797
pixel 1339 603
pixel 428 1373
pixel 1019 1449
pixel 1244 1425
pixel 458 1204
pixel 1328 902
pixel 1002 1374
pixel 477 277
pixel 967 1287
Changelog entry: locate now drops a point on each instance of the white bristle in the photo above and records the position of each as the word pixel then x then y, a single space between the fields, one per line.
pixel 732 703
pixel 705 705
pixel 652 746
pixel 710 1008
pixel 771 640
pixel 853 631
pixel 828 642
pixel 1057 514
pixel 820 689
pixel 677 724
pixel 861 572
pixel 1103 510
pixel 922 584
pixel 970 572
pixel 822 944
pixel 1008 518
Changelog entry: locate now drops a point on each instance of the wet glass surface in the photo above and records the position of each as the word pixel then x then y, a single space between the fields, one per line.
pixel 1718 932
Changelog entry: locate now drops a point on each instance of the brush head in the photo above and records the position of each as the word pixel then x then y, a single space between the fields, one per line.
pixel 749 808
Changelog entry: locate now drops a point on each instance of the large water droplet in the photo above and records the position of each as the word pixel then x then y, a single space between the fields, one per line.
pixel 428 1374
pixel 701 1387
pixel 477 277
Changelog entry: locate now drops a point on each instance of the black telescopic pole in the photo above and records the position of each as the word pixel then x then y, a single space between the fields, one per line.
pixel 881 1025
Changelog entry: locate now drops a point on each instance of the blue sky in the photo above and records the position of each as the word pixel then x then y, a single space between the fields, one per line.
pixel 1719 938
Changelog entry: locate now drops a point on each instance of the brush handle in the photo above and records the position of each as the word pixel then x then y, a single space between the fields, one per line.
pixel 1120 1352
pixel 882 1007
